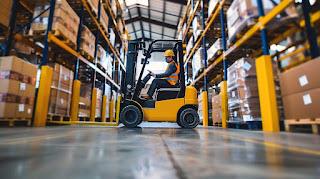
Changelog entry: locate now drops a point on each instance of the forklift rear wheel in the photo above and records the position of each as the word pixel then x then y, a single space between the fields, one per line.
pixel 131 116
pixel 189 118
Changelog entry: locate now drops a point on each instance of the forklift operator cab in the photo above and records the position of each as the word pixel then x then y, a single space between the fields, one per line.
pixel 177 103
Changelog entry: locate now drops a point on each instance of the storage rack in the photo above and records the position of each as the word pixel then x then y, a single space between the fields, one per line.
pixel 251 42
pixel 54 44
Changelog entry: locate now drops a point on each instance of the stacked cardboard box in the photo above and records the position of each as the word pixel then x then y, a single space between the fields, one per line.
pixel 243 91
pixel 300 87
pixel 94 5
pixel 244 13
pixel 5 12
pixel 216 109
pixel 113 5
pixel 87 41
pixel 104 19
pixel 85 99
pixel 17 91
pixel 102 57
pixel 107 93
pixel 197 26
pixel 189 45
pixel 99 103
pixel 197 62
pixel 109 68
pixel 215 49
pixel 61 90
pixel 65 21
pixel 112 37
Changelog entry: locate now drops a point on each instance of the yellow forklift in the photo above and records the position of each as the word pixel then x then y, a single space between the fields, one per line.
pixel 176 104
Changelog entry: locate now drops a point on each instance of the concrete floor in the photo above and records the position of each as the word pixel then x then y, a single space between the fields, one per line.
pixel 97 152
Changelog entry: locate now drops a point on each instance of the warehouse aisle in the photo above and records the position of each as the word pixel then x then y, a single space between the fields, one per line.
pixel 97 152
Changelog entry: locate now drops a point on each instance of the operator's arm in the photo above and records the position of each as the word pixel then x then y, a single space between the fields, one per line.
pixel 172 68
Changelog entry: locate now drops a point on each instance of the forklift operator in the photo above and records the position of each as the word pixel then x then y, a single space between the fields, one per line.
pixel 168 79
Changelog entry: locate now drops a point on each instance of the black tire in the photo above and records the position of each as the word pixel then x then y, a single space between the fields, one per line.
pixel 131 116
pixel 189 118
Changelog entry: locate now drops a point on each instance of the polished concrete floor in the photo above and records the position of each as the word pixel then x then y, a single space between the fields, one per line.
pixel 148 152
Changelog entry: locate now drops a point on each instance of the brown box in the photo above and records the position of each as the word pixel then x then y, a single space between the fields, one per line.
pixel 84 107
pixel 301 78
pixel 62 77
pixel 216 101
pixel 304 105
pixel 94 5
pixel 216 115
pixel 5 12
pixel 104 19
pixel 59 102
pixel 88 41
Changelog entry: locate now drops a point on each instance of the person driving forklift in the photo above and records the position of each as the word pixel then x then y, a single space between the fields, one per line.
pixel 168 79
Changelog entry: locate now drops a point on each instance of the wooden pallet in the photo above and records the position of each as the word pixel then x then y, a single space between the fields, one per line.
pixel 218 124
pixel 53 117
pixel 15 122
pixel 314 123
pixel 56 33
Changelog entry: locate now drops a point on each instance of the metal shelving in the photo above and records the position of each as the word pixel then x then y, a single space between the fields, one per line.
pixel 253 41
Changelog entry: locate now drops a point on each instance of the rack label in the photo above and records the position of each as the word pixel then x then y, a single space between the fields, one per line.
pixel 307 99
pixel 303 80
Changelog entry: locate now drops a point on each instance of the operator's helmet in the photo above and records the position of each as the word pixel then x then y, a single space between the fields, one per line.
pixel 169 53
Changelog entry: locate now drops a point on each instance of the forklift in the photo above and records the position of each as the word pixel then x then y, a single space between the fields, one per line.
pixel 177 104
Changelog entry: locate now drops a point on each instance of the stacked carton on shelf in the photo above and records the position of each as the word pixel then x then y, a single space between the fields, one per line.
pixel 104 19
pixel 300 88
pixel 5 12
pixel 196 26
pixel 99 103
pixel 216 109
pixel 243 91
pixel 61 90
pixel 85 100
pixel 65 21
pixel 215 49
pixel 87 41
pixel 244 13
pixel 212 6
pixel 197 62
pixel 17 91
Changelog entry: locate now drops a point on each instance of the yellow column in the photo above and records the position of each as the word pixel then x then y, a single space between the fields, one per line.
pixel 267 94
pixel 93 105
pixel 75 100
pixel 224 103
pixel 42 103
pixel 104 109
pixel 118 109
pixel 205 108
pixel 111 111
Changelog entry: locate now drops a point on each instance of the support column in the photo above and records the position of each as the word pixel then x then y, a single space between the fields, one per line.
pixel 43 92
pixel 266 86
pixel 205 82
pixel 75 98
pixel 224 85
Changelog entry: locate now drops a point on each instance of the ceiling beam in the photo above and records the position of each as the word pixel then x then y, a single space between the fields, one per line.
pixel 163 16
pixel 155 33
pixel 131 20
pixel 154 10
pixel 141 26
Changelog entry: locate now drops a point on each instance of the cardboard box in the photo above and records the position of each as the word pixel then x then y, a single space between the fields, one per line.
pixel 94 5
pixel 87 41
pixel 5 13
pixel 216 101
pixel 59 103
pixel 304 105
pixel 216 115
pixel 62 78
pixel 301 78
pixel 84 107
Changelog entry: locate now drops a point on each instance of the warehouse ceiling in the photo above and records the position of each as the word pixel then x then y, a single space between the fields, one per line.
pixel 153 19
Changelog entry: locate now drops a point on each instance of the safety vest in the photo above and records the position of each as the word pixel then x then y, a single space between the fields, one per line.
pixel 174 77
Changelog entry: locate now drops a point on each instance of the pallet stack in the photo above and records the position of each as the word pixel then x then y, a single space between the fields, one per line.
pixel 216 110
pixel 65 22
pixel 85 100
pixel 197 62
pixel 243 93
pixel 17 92
pixel 87 45
pixel 61 90
pixel 300 87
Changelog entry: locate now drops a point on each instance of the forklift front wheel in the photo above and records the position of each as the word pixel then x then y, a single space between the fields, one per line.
pixel 131 116
pixel 189 118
